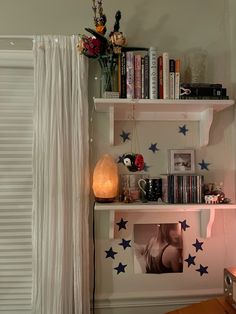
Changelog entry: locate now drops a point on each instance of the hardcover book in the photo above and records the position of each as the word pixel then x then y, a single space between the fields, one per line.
pixel 130 74
pixel 123 75
pixel 152 73
pixel 160 76
pixel 166 75
pixel 172 78
pixel 177 78
pixel 137 76
pixel 146 76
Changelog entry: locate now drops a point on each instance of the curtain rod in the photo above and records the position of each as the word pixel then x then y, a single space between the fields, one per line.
pixel 16 37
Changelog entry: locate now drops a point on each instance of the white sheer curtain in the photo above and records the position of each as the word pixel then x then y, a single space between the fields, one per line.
pixel 61 178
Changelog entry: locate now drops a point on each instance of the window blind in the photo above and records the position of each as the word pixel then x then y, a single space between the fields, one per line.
pixel 16 137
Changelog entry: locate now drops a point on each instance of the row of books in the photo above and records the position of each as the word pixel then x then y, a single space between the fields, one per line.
pixel 147 75
pixel 203 91
pixel 183 189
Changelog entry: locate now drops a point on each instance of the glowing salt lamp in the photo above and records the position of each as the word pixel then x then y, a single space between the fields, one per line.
pixel 105 180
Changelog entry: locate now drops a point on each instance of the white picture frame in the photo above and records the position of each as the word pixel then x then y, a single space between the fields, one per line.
pixel 181 161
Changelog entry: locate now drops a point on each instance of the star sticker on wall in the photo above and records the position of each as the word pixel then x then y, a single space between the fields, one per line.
pixel 120 159
pixel 198 245
pixel 183 129
pixel 122 224
pixel 153 148
pixel 125 243
pixel 190 260
pixel 202 270
pixel 111 253
pixel 120 268
pixel 204 165
pixel 125 135
pixel 184 225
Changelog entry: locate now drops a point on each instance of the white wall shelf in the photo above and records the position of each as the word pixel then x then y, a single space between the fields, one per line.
pixel 162 110
pixel 207 212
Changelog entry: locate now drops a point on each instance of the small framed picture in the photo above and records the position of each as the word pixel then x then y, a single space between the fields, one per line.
pixel 181 161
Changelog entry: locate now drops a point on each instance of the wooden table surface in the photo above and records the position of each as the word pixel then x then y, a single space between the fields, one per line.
pixel 212 306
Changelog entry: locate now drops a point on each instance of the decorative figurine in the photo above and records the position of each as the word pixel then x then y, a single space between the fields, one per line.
pixel 134 162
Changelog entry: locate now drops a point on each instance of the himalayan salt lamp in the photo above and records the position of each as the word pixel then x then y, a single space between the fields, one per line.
pixel 105 180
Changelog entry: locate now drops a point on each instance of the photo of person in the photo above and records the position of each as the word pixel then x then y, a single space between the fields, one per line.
pixel 182 162
pixel 158 248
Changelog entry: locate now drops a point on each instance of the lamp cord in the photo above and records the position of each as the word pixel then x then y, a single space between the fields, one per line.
pixel 94 259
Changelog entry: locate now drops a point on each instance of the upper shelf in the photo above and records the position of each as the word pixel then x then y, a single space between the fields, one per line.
pixel 163 110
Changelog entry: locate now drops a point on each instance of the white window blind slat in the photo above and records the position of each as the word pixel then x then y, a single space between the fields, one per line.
pixel 16 140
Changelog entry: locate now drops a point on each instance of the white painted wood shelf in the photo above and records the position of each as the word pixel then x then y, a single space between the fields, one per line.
pixel 162 110
pixel 207 212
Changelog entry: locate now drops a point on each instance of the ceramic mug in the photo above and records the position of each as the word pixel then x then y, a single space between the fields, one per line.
pixel 151 188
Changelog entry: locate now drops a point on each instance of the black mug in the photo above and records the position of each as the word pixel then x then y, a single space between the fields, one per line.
pixel 151 188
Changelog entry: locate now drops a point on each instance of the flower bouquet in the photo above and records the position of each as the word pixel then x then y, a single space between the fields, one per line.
pixel 104 50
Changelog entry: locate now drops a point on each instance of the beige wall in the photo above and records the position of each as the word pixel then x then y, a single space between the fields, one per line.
pixel 178 27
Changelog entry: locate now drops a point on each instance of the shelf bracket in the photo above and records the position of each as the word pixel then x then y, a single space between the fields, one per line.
pixel 207 217
pixel 206 118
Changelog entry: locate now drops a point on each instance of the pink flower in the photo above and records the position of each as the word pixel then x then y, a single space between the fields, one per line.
pixel 90 46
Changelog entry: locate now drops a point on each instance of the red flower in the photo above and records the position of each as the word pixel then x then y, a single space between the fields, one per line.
pixel 139 162
pixel 90 46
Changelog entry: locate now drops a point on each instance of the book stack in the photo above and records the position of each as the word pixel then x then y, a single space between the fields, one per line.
pixel 202 91
pixel 184 189
pixel 143 74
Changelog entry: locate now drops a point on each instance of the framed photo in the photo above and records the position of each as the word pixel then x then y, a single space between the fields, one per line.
pixel 181 161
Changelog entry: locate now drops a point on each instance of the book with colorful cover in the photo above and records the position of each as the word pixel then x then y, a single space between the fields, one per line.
pixel 130 74
pixel 146 76
pixel 160 76
pixel 177 78
pixel 137 76
pixel 172 78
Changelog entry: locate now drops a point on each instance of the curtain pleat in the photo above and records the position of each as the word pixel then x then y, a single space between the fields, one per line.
pixel 61 178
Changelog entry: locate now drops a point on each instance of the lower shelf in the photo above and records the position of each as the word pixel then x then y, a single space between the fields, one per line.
pixel 207 212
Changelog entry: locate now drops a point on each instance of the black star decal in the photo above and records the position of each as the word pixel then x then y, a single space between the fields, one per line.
pixel 202 270
pixel 184 225
pixel 120 268
pixel 204 165
pixel 125 243
pixel 190 260
pixel 183 129
pixel 198 245
pixel 122 224
pixel 125 135
pixel 120 159
pixel 153 148
pixel 110 253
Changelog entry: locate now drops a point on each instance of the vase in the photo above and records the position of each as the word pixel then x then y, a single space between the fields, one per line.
pixel 108 80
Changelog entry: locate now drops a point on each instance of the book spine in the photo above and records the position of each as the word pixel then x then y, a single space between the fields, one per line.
pixel 172 78
pixel 123 75
pixel 142 77
pixel 137 76
pixel 146 76
pixel 201 91
pixel 177 78
pixel 160 76
pixel 130 74
pixel 166 73
pixel 152 73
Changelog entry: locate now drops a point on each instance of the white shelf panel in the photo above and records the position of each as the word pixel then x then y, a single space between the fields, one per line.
pixel 162 110
pixel 207 212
